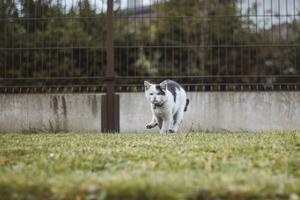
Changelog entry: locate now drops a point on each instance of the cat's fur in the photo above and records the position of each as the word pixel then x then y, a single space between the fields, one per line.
pixel 168 104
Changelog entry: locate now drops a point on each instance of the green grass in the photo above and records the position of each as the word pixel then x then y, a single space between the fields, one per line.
pixel 150 166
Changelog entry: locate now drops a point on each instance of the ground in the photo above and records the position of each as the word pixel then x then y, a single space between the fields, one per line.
pixel 150 166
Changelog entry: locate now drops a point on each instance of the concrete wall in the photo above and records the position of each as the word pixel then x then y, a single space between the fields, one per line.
pixel 222 111
pixel 208 111
pixel 50 112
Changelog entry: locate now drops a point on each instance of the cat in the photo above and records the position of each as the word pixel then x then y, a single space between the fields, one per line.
pixel 168 103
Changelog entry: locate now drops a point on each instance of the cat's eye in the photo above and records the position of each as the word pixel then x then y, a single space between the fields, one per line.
pixel 151 94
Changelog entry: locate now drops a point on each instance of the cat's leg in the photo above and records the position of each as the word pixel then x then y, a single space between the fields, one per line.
pixel 166 124
pixel 178 117
pixel 159 122
pixel 153 122
pixel 171 130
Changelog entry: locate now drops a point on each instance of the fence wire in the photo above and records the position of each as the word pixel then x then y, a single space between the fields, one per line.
pixel 207 45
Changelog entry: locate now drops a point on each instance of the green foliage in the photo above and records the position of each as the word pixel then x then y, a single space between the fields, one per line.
pixel 203 38
pixel 150 166
pixel 46 41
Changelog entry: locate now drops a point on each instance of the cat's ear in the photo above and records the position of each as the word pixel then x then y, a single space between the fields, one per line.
pixel 163 85
pixel 147 85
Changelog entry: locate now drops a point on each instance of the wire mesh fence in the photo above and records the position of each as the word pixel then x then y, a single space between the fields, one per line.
pixel 50 45
pixel 60 45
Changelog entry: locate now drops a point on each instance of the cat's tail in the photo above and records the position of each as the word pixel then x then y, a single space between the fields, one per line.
pixel 186 105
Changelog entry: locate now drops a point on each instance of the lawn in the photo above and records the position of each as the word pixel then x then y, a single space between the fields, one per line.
pixel 150 166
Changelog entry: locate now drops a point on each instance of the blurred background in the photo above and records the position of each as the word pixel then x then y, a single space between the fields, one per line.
pixel 207 45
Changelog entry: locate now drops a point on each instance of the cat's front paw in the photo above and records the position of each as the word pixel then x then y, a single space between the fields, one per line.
pixel 149 126
pixel 171 131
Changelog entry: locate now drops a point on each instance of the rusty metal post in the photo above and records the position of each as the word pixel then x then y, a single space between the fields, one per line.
pixel 110 70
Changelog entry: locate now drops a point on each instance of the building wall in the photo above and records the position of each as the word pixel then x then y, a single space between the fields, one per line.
pixel 208 111
pixel 50 112
pixel 221 111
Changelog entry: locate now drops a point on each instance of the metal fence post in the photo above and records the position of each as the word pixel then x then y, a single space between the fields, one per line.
pixel 110 93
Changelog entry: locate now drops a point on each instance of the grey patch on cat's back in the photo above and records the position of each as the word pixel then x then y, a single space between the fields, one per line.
pixel 172 86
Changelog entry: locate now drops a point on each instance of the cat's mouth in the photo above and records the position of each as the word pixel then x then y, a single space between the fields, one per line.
pixel 156 103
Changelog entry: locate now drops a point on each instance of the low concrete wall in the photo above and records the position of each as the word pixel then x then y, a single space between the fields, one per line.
pixel 221 111
pixel 208 111
pixel 50 112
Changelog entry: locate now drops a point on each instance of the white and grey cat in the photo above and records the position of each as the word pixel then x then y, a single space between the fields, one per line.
pixel 168 104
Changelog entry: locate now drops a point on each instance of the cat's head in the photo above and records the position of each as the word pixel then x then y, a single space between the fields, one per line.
pixel 156 93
